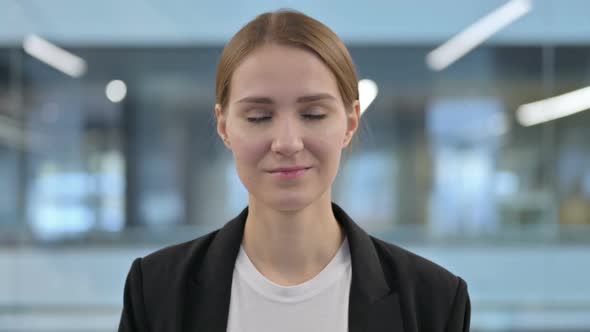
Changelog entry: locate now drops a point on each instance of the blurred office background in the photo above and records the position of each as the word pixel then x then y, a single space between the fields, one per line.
pixel 108 149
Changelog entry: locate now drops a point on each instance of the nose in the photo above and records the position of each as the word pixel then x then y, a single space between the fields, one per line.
pixel 287 137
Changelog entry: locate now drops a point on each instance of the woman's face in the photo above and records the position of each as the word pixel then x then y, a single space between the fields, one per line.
pixel 285 112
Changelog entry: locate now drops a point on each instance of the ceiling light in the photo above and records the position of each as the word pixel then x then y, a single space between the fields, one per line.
pixel 54 56
pixel 367 93
pixel 554 108
pixel 116 91
pixel 477 33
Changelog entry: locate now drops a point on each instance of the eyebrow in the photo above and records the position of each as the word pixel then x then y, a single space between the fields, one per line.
pixel 302 99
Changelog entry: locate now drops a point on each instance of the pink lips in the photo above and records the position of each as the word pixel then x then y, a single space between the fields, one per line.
pixel 289 173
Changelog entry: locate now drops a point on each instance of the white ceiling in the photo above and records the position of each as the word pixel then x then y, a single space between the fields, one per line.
pixel 190 22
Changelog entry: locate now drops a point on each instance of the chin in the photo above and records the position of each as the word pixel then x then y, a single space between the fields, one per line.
pixel 287 203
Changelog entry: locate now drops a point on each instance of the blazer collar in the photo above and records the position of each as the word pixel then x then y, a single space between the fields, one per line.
pixel 373 305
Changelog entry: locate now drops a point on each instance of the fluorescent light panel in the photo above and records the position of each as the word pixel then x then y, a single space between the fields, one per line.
pixel 477 33
pixel 54 56
pixel 554 108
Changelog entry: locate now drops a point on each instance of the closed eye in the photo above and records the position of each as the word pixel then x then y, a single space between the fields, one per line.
pixel 310 117
pixel 258 119
pixel 314 116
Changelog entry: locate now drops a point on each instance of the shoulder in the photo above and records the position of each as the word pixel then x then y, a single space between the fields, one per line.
pixel 415 267
pixel 176 260
pixel 428 288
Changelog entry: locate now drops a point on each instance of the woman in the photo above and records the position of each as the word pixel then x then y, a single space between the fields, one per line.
pixel 287 105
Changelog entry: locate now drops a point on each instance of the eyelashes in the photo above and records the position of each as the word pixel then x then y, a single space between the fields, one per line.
pixel 307 117
pixel 258 119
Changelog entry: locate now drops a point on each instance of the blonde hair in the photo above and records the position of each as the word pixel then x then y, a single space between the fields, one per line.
pixel 288 28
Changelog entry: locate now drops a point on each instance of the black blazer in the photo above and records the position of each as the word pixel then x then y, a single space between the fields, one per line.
pixel 187 287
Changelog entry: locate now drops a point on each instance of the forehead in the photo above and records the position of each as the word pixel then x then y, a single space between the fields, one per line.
pixel 281 72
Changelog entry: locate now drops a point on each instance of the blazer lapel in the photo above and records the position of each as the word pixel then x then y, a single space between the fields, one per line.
pixel 208 293
pixel 373 305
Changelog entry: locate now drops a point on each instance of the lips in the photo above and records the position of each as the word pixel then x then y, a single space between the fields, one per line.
pixel 288 169
pixel 288 173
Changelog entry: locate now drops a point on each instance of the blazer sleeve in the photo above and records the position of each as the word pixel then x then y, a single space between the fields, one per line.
pixel 133 317
pixel 460 317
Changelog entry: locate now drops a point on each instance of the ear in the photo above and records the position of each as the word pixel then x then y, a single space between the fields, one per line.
pixel 221 125
pixel 352 122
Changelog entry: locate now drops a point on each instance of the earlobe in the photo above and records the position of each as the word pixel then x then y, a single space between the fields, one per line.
pixel 221 125
pixel 346 140
pixel 353 122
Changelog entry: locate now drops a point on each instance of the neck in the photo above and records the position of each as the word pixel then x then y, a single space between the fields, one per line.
pixel 291 248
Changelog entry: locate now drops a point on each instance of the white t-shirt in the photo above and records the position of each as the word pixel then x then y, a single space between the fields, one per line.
pixel 317 305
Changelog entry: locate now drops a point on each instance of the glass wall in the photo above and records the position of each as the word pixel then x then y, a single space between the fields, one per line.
pixel 440 155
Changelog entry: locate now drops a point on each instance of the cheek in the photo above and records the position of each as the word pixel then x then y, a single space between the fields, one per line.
pixel 332 134
pixel 247 150
pixel 327 143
